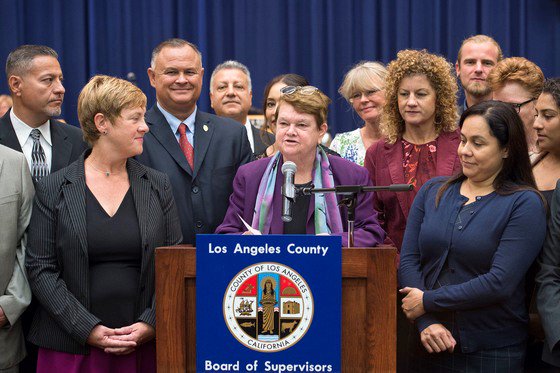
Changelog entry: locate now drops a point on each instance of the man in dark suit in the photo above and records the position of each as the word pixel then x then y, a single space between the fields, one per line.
pixel 199 151
pixel 231 95
pixel 35 81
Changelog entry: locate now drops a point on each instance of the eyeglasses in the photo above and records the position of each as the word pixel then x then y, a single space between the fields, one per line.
pixel 369 94
pixel 307 90
pixel 517 107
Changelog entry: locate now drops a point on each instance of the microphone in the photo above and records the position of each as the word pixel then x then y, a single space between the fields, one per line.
pixel 288 190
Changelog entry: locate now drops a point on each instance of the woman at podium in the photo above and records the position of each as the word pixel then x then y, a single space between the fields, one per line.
pixel 468 245
pixel 301 122
pixel 94 227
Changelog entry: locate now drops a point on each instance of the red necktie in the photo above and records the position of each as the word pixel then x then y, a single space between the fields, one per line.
pixel 185 145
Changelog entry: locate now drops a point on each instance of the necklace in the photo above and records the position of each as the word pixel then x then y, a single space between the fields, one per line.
pixel 107 173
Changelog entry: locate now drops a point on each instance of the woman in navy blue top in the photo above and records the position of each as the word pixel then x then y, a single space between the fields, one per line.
pixel 468 244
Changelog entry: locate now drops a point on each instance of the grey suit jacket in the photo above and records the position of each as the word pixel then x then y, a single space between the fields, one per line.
pixel 67 141
pixel 202 195
pixel 16 196
pixel 57 259
pixel 548 284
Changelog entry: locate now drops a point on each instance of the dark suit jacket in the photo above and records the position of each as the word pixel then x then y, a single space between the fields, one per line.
pixel 67 141
pixel 220 147
pixel 548 296
pixel 246 184
pixel 385 165
pixel 262 140
pixel 57 253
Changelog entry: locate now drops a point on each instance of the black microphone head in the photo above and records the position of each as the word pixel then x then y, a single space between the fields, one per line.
pixel 289 167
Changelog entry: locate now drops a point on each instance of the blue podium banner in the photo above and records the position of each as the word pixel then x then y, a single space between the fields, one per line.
pixel 268 303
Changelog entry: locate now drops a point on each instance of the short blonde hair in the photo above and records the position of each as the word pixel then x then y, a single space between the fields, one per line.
pixel 109 96
pixel 362 77
pixel 316 104
pixel 519 70
pixel 438 71
pixel 479 39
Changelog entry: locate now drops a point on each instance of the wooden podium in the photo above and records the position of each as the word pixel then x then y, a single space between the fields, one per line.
pixel 369 329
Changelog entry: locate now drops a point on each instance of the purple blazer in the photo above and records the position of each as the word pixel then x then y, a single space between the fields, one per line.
pixel 385 164
pixel 367 231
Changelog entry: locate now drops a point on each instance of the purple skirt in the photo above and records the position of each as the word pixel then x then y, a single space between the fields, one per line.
pixel 142 360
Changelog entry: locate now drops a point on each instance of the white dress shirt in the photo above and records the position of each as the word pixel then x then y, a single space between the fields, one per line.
pixel 250 134
pixel 26 142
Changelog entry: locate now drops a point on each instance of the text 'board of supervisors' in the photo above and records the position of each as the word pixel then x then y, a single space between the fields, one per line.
pixel 268 303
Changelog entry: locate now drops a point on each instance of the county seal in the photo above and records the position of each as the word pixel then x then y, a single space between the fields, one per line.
pixel 268 307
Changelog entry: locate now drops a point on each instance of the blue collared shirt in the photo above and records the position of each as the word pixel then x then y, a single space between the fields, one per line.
pixel 174 123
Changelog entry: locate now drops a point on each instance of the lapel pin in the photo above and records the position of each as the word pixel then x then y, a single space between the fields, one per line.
pixel 205 128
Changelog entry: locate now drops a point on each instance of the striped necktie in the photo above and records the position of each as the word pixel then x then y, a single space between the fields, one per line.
pixel 39 166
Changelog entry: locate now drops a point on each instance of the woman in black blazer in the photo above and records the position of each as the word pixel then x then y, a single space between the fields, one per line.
pixel 93 231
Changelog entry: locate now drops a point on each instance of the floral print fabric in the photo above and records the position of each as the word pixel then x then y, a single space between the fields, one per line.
pixel 350 146
pixel 419 164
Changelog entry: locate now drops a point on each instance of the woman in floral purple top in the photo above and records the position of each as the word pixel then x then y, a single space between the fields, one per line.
pixel 420 137
pixel 420 142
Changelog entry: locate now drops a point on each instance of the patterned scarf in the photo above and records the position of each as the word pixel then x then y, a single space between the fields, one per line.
pixel 326 213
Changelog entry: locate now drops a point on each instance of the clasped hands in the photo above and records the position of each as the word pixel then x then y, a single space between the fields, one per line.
pixel 120 341
pixel 434 338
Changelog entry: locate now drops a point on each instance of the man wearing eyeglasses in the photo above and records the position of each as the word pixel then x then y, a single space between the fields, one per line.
pixel 231 96
pixel 200 152
pixel 519 82
pixel 477 57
